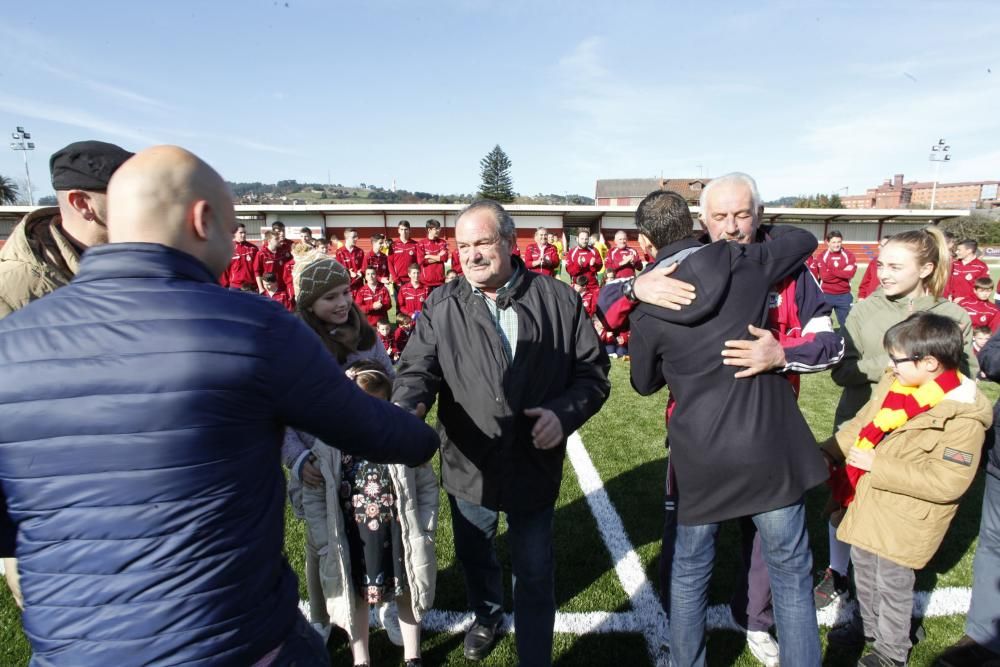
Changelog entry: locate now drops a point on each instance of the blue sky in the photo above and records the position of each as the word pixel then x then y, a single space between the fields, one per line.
pixel 805 96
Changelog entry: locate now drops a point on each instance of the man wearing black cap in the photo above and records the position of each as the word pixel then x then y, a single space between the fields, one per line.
pixel 44 249
pixel 43 252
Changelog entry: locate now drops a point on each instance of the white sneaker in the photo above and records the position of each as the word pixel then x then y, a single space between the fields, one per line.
pixel 322 630
pixel 388 616
pixel 764 647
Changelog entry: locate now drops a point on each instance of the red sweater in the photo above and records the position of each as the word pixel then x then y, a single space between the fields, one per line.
pixel 240 269
pixel 411 299
pixel 963 277
pixel 400 337
pixel 387 344
pixel 456 262
pixel 548 254
pixel 869 281
pixel 381 264
pixel 270 262
pixel 432 273
pixel 366 298
pixel 354 261
pixel 623 261
pixel 584 262
pixel 982 313
pixel 589 298
pixel 836 270
pixel 285 300
pixel 401 255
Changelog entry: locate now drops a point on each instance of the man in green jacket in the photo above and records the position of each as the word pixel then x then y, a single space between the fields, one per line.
pixel 43 251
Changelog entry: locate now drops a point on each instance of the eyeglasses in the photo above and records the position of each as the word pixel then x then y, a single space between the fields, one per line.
pixel 896 362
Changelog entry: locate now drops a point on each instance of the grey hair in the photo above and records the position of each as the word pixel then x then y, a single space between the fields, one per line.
pixel 732 177
pixel 505 223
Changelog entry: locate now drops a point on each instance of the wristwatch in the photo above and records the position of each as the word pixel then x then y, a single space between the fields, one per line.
pixel 628 289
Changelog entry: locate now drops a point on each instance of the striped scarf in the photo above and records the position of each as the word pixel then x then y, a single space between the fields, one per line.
pixel 901 404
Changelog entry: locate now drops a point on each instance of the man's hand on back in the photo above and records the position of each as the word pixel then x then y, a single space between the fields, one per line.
pixel 657 288
pixel 755 356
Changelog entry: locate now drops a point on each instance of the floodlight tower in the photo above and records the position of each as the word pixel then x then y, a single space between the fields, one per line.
pixel 22 144
pixel 940 152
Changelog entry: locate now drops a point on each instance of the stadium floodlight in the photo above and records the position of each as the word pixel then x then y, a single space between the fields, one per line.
pixel 940 152
pixel 22 144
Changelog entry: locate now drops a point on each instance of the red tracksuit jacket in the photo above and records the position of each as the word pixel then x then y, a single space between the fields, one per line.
pixel 982 313
pixel 549 256
pixel 869 281
pixel 401 255
pixel 270 262
pixel 282 297
pixel 411 299
pixel 432 273
pixel 623 261
pixel 836 270
pixel 366 297
pixel 353 260
pixel 240 269
pixel 963 277
pixel 381 264
pixel 400 337
pixel 456 262
pixel 584 262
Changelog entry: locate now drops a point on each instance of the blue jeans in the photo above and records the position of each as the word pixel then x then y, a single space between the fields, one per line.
pixel 841 305
pixel 983 621
pixel 529 536
pixel 785 545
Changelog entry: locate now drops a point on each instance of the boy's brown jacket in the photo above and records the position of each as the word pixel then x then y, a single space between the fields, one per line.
pixel 903 506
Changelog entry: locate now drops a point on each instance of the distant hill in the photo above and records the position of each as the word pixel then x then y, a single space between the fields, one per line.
pixel 293 192
pixel 784 202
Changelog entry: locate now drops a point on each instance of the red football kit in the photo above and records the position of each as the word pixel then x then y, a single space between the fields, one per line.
pixel 240 269
pixel 963 277
pixel 282 297
pixel 584 262
pixel 270 262
pixel 623 261
pixel 456 262
pixel 353 259
pixel 366 298
pixel 400 337
pixel 432 273
pixel 836 269
pixel 381 264
pixel 401 255
pixel 547 253
pixel 869 281
pixel 982 313
pixel 387 344
pixel 411 299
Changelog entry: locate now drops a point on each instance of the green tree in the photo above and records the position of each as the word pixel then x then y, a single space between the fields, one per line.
pixel 495 172
pixel 8 191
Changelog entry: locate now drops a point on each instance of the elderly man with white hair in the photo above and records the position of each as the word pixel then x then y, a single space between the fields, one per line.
pixel 799 339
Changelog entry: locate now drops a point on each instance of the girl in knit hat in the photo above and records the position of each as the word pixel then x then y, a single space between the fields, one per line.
pixel 353 560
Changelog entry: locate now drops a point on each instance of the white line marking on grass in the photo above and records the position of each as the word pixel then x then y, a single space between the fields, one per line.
pixel 646 616
pixel 646 606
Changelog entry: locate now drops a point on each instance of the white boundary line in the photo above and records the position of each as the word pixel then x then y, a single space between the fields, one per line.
pixel 646 616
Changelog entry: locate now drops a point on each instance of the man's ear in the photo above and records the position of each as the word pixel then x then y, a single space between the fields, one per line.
pixel 200 218
pixel 80 201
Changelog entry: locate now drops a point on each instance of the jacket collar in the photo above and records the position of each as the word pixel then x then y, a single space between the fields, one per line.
pixel 676 247
pixel 141 260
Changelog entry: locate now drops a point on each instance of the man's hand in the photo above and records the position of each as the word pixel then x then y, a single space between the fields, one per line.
pixel 419 412
pixel 861 458
pixel 547 432
pixel 657 288
pixel 311 476
pixel 755 356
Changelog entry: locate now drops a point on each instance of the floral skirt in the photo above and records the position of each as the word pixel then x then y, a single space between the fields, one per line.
pixel 373 530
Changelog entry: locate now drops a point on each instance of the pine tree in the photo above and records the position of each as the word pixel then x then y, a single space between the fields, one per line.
pixel 8 191
pixel 495 171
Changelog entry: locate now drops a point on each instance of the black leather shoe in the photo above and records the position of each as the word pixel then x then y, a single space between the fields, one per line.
pixel 480 640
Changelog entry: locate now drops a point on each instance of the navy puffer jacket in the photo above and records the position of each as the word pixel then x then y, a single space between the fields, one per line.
pixel 141 414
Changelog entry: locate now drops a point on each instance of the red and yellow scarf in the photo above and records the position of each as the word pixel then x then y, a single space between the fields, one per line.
pixel 901 404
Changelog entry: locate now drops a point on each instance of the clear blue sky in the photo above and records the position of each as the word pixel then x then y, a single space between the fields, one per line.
pixel 805 96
